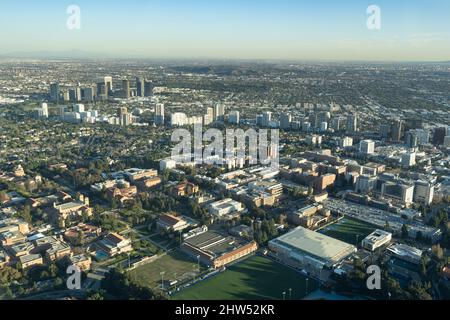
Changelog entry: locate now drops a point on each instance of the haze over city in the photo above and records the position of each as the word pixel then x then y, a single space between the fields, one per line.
pixel 291 30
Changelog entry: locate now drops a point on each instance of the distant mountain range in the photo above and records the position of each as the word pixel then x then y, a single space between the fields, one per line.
pixel 86 55
pixel 49 55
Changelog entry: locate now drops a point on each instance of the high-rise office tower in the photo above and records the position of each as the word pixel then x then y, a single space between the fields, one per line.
pixel 102 91
pixel 72 95
pixel 109 85
pixel 439 136
pixel 323 117
pixel 306 126
pixel 159 114
pixel 352 123
pixel 408 159
pixel 54 92
pixel 266 118
pixel 219 112
pixel 65 96
pixel 44 108
pixel 148 88
pixel 346 142
pixel 259 120
pixel 412 139
pixel 234 117
pixel 311 118
pixel 104 88
pixel 125 89
pixel 124 117
pixel 78 108
pixel 423 192
pixel 367 147
pixel 87 94
pixel 337 123
pixel 397 131
pixel 140 87
pixel 385 130
pixel 78 94
pixel 285 121
pixel 208 118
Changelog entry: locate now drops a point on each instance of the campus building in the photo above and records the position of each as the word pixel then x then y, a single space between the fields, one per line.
pixel 376 239
pixel 216 250
pixel 305 249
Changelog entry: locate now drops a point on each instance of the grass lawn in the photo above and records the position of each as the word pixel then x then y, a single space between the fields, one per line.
pixel 174 262
pixel 347 230
pixel 164 242
pixel 251 279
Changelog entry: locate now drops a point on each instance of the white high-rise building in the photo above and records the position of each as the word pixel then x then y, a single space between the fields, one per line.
pixel 367 147
pixel 44 108
pixel 219 112
pixel 78 108
pixel 346 142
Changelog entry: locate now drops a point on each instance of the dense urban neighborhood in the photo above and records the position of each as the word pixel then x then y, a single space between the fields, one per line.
pixel 357 180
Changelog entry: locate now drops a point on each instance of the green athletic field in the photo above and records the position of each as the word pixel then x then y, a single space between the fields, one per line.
pixel 349 230
pixel 252 279
pixel 175 265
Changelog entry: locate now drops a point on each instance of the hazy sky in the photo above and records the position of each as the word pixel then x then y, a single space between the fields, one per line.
pixel 261 29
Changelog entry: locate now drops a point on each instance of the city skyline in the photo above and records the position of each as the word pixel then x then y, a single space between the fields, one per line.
pixel 282 30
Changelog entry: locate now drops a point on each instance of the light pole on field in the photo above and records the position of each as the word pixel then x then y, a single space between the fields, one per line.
pixel 162 280
pixel 175 276
pixel 306 288
pixel 284 295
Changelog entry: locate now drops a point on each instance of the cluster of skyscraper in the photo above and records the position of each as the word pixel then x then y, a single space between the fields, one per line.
pixel 103 91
